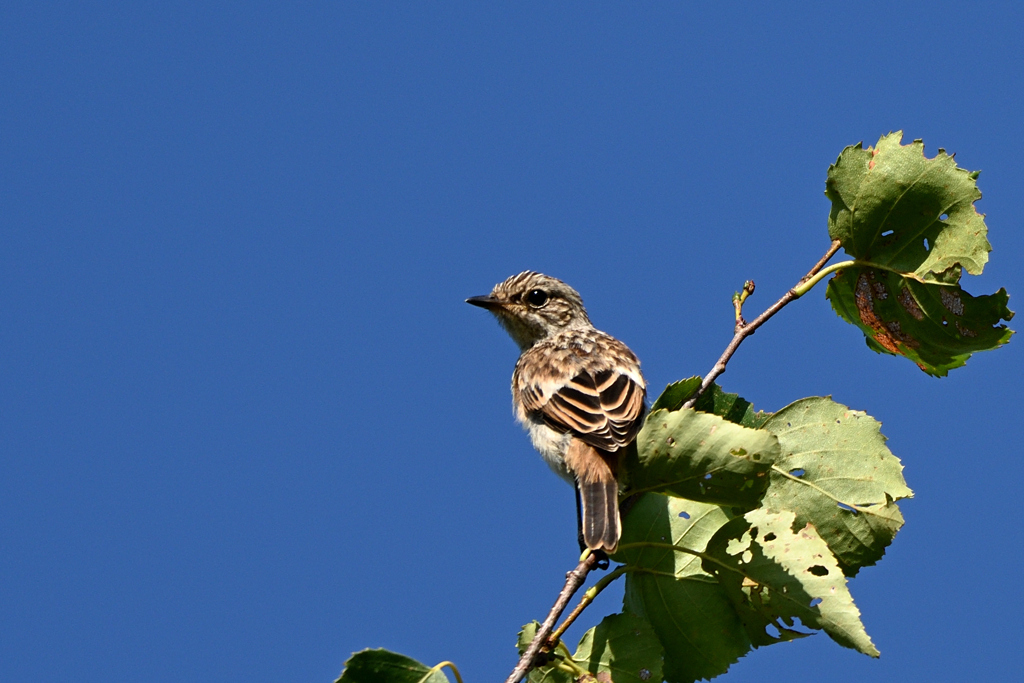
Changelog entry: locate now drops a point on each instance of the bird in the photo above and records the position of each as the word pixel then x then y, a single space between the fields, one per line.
pixel 577 391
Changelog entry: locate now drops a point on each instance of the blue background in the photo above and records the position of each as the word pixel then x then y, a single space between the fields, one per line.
pixel 248 425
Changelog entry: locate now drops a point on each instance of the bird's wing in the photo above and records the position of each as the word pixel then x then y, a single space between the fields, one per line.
pixel 603 409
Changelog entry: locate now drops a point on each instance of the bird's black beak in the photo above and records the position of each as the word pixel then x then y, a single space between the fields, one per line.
pixel 487 301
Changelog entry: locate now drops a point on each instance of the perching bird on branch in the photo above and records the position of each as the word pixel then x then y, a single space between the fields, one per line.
pixel 576 390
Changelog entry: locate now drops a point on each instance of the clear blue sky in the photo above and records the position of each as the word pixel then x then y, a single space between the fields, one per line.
pixel 248 425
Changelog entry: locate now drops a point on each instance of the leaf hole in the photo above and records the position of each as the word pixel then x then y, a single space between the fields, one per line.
pixel 797 472
pixel 770 536
pixel 843 506
pixel 887 233
pixel 818 570
pixel 670 441
pixel 773 631
pixel 707 476
pixel 684 515
pixel 927 247
pixel 943 216
pixel 815 602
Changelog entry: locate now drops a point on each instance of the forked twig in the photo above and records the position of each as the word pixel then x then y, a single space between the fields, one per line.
pixel 745 329
pixel 573 581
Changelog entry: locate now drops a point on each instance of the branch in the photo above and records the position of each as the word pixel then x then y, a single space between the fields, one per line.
pixel 745 329
pixel 588 598
pixel 573 581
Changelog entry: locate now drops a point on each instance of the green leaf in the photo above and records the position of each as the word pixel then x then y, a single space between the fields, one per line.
pixel 938 327
pixel 689 611
pixel 676 394
pixel 911 224
pixel 383 666
pixel 701 457
pixel 837 474
pixel 899 210
pixel 540 674
pixel 624 647
pixel 714 401
pixel 781 575
pixel 731 407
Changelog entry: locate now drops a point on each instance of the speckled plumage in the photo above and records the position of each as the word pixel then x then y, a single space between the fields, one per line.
pixel 578 392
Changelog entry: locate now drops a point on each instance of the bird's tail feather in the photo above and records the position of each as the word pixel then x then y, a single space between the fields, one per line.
pixel 599 497
pixel 600 518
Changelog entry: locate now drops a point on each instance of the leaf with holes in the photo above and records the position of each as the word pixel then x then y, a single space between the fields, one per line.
pixel 911 224
pixel 689 611
pixel 837 474
pixel 383 666
pixel 701 457
pixel 938 327
pixel 622 649
pixel 897 209
pixel 781 575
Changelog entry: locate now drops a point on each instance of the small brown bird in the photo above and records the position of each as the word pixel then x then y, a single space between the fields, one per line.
pixel 576 390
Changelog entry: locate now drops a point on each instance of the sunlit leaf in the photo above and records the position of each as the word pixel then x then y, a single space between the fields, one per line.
pixel 779 575
pixel 911 224
pixel 837 474
pixel 702 457
pixel 896 208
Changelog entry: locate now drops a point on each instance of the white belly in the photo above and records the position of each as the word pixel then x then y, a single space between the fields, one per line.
pixel 551 445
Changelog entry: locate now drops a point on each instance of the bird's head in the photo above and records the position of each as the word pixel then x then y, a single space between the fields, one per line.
pixel 532 306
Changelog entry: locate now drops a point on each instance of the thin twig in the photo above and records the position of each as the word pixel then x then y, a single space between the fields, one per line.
pixel 588 597
pixel 573 581
pixel 744 330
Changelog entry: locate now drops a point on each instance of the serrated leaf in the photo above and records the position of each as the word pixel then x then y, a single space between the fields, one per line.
pixel 911 224
pixel 938 327
pixel 837 474
pixel 701 457
pixel 540 674
pixel 676 394
pixel 687 608
pixel 714 401
pixel 526 636
pixel 621 649
pixel 782 575
pixel 731 407
pixel 899 210
pixel 384 666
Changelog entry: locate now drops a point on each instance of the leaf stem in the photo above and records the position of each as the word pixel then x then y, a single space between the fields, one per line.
pixel 568 663
pixel 807 285
pixel 744 329
pixel 680 549
pixel 450 665
pixel 588 597
pixel 573 580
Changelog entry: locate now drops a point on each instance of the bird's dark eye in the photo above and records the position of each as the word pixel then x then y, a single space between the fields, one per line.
pixel 537 298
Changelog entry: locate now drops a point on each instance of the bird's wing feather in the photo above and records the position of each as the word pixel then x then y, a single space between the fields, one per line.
pixel 603 409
